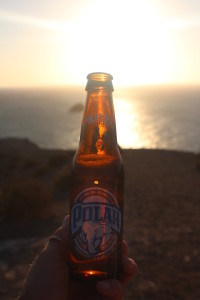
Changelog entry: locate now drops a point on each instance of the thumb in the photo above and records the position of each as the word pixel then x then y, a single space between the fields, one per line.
pixel 58 246
pixel 63 232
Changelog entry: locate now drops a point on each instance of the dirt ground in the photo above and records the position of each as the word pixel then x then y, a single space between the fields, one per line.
pixel 161 219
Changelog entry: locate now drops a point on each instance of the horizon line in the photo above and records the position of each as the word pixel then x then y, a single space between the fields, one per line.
pixel 79 85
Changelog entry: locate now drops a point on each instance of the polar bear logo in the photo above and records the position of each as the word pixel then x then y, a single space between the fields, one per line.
pixel 95 235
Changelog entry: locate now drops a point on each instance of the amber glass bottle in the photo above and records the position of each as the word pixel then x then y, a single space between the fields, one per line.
pixel 96 197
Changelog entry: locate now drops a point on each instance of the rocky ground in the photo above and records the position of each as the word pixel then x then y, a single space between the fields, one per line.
pixel 162 223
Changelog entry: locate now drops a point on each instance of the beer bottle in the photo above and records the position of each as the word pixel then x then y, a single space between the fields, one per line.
pixel 96 196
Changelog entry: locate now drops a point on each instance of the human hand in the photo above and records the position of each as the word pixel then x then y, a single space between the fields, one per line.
pixel 49 275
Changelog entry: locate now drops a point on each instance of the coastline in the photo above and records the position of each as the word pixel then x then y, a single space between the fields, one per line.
pixel 161 216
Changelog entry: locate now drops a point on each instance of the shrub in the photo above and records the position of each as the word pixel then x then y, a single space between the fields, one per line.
pixel 59 160
pixel 197 162
pixel 29 164
pixel 25 200
pixel 41 171
pixel 62 180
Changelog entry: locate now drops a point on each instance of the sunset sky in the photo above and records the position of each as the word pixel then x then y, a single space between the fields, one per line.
pixel 46 42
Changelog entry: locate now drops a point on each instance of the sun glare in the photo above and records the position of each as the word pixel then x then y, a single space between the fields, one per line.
pixel 138 42
pixel 137 39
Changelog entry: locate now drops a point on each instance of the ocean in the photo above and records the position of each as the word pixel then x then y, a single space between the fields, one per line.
pixel 162 117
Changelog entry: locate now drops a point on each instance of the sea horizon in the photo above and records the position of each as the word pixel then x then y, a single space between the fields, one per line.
pixel 149 117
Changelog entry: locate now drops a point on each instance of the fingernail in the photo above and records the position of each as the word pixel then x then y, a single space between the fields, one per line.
pixel 105 285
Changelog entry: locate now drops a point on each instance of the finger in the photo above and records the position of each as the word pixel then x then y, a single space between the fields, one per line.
pixel 129 270
pixel 110 288
pixel 59 242
pixel 63 231
pixel 124 248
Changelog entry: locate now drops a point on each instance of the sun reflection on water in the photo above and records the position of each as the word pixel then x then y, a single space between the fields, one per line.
pixel 127 124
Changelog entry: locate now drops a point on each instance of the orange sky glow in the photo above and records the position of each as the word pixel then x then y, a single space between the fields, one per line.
pixel 47 43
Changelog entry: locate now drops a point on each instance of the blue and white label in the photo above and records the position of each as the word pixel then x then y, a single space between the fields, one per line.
pixel 95 222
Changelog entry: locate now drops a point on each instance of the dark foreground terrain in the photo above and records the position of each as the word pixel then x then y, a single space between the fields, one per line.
pixel 162 221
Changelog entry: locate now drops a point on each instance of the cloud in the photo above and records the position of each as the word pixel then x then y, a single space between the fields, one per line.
pixel 31 21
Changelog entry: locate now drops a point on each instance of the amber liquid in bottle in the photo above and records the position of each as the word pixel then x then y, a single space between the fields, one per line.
pixel 96 196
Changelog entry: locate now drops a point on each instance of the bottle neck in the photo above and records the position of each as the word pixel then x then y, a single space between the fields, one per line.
pixel 98 129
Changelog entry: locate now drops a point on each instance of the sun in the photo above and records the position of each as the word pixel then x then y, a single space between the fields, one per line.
pixel 134 46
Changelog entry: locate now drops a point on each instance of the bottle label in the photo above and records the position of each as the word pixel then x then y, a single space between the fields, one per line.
pixel 95 222
pixel 99 119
